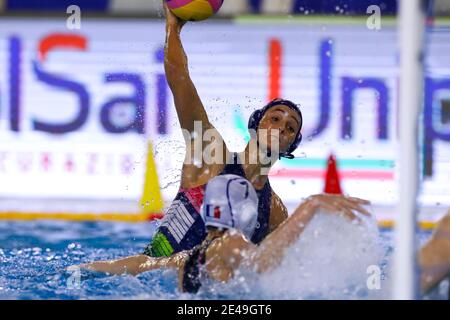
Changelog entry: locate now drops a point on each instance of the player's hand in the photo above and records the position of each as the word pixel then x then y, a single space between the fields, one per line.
pixel 340 204
pixel 172 21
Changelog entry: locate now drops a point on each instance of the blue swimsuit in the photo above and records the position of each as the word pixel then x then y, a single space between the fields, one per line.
pixel 182 227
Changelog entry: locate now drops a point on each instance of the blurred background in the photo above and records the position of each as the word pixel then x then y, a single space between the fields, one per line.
pixel 229 9
pixel 79 104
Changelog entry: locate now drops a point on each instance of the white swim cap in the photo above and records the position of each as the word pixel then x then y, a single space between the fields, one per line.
pixel 230 201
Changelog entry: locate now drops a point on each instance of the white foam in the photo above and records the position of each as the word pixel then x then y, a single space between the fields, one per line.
pixel 329 260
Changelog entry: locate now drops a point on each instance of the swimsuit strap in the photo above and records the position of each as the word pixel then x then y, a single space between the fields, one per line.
pixel 264 204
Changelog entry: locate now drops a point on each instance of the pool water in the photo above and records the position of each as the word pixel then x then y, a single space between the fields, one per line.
pixel 34 255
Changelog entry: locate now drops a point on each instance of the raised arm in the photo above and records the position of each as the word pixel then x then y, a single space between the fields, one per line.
pixel 187 101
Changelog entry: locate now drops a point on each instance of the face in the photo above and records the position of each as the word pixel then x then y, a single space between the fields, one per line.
pixel 283 119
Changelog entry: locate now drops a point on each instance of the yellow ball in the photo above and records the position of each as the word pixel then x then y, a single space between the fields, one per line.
pixel 194 10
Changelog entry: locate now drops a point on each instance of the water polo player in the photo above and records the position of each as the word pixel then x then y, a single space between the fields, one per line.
pixel 182 227
pixel 230 214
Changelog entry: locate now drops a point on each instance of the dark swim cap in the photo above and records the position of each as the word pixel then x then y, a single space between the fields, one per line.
pixel 257 115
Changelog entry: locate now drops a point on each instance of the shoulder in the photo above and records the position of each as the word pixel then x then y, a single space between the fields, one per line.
pixel 226 253
pixel 231 244
pixel 232 239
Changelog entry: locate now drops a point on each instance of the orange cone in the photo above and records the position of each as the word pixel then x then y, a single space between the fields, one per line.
pixel 332 184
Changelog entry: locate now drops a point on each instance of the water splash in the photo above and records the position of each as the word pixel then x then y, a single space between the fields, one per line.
pixel 328 261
